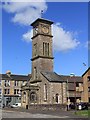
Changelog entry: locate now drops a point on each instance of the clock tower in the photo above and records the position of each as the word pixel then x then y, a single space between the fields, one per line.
pixel 42 56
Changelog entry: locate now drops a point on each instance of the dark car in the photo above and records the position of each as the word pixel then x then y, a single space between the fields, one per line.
pixel 79 106
pixel 82 106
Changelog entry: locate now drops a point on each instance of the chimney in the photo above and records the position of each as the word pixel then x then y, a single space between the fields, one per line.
pixel 8 72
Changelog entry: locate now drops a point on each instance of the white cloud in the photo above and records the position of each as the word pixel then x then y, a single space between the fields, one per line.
pixel 25 12
pixel 62 40
pixel 27 36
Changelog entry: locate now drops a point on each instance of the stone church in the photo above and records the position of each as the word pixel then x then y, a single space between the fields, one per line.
pixel 45 86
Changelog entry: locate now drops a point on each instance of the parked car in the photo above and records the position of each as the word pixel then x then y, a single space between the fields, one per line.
pixel 82 106
pixel 79 106
pixel 16 105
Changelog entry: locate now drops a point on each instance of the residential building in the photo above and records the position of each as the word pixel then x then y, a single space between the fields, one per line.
pixel 86 86
pixel 10 87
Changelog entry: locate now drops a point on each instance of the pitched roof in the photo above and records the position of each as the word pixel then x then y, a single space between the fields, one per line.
pixel 4 76
pixel 42 20
pixel 86 71
pixel 72 79
pixel 15 77
pixel 54 77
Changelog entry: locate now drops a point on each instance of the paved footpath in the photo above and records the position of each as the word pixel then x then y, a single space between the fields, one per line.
pixel 16 113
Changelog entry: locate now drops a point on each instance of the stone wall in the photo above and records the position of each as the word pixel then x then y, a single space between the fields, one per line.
pixel 48 106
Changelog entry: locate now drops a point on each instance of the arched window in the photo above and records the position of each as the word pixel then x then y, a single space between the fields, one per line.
pixel 57 97
pixel 45 92
pixel 24 97
pixel 33 96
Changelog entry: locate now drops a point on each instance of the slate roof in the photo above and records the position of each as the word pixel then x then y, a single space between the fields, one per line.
pixel 72 79
pixel 42 20
pixel 4 76
pixel 14 77
pixel 54 77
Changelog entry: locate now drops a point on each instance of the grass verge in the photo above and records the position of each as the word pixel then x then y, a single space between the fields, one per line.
pixel 83 113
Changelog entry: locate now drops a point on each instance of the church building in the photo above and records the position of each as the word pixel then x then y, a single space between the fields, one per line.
pixel 45 86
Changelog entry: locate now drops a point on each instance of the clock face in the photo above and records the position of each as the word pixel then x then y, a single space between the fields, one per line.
pixel 36 30
pixel 45 29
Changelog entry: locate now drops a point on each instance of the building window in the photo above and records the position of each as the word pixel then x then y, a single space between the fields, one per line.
pixel 7 83
pixel 16 91
pixel 77 84
pixel 24 96
pixel 6 91
pixel 88 78
pixel 16 83
pixel 45 49
pixel 33 97
pixel 88 89
pixel 0 91
pixel 0 82
pixel 45 92
pixel 23 82
pixel 89 99
pixel 57 98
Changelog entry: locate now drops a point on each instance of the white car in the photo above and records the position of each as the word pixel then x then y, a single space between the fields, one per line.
pixel 16 105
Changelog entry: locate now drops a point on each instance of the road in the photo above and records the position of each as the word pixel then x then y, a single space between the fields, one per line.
pixel 6 114
pixel 16 114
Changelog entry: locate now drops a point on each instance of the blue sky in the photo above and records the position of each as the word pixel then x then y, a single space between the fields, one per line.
pixel 70 31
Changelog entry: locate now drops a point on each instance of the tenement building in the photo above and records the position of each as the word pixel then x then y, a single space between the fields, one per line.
pixel 46 86
pixel 10 88
pixel 86 86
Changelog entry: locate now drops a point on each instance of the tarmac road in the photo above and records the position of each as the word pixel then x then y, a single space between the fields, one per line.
pixel 16 114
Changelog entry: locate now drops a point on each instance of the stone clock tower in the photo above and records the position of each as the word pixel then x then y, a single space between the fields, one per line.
pixel 42 56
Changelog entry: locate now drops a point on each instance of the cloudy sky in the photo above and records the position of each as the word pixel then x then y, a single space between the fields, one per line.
pixel 70 35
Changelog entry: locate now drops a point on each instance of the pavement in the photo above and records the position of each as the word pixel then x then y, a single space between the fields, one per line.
pixel 20 113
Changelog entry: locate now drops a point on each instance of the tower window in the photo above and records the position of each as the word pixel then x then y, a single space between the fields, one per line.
pixel 45 49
